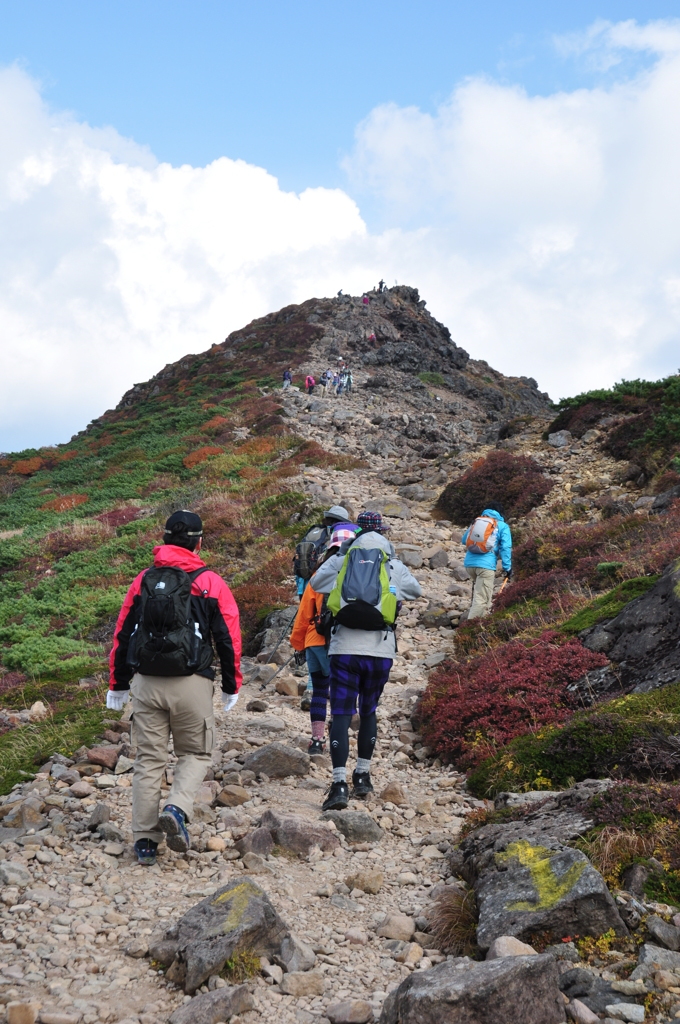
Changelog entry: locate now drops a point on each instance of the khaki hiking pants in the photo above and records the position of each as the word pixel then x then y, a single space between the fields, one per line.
pixel 482 590
pixel 183 706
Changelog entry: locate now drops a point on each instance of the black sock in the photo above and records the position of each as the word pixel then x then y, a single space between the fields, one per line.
pixel 368 731
pixel 340 740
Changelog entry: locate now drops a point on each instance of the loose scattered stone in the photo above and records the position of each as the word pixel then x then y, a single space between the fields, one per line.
pixel 508 945
pixel 309 983
pixel 356 826
pixel 233 796
pixel 397 926
pixel 212 1007
pixel 350 1011
pixel 370 880
pixel 277 761
pixel 104 756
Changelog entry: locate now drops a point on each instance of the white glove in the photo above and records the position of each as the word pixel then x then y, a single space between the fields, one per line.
pixel 229 700
pixel 117 699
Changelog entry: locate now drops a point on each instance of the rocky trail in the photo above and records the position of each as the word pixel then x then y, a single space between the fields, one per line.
pixel 342 902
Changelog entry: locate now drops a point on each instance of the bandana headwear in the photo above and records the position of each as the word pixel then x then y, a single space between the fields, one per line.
pixel 183 522
pixel 339 536
pixel 371 521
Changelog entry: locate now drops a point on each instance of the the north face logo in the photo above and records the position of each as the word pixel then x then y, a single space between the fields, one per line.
pixel 160 586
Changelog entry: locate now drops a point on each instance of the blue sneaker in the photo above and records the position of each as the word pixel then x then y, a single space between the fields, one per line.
pixel 173 822
pixel 146 852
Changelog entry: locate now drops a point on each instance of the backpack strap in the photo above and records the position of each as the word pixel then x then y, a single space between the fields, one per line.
pixel 197 572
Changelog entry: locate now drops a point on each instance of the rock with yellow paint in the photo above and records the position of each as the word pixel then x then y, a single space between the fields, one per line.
pixel 529 889
pixel 238 917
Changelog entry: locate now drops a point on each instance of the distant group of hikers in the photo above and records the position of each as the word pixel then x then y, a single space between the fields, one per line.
pixel 179 613
pixel 331 382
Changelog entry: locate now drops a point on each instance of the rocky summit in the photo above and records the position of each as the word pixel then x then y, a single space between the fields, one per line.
pixel 517 861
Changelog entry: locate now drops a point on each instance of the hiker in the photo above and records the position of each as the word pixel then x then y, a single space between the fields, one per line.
pixel 325 382
pixel 381 286
pixel 311 635
pixel 310 383
pixel 287 378
pixel 349 382
pixel 365 582
pixel 365 302
pixel 487 540
pixel 311 548
pixel 163 655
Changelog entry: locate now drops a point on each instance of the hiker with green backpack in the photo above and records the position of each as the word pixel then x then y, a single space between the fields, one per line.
pixel 366 584
pixel 486 541
pixel 162 653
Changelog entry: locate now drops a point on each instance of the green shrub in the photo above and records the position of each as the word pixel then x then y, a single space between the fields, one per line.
pixel 591 745
pixel 609 605
pixel 432 378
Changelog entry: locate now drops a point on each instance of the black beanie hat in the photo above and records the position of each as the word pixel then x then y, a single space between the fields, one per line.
pixel 183 523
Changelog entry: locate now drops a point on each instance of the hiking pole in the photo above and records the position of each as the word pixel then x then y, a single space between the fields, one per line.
pixel 268 681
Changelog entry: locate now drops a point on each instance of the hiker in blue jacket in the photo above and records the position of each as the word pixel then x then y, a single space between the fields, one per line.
pixel 487 540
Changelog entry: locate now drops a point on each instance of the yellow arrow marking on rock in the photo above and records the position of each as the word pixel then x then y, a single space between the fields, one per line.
pixel 238 899
pixel 549 887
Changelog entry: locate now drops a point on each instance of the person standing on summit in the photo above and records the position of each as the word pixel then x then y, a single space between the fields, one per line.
pixel 486 541
pixel 163 655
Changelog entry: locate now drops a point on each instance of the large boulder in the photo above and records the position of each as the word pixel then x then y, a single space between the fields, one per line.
pixel 529 889
pixel 237 917
pixel 514 990
pixel 643 638
pixel 277 761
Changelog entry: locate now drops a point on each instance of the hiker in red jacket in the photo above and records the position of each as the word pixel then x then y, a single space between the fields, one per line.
pixel 162 654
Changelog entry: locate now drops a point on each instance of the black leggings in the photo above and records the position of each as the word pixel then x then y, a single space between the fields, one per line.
pixel 368 730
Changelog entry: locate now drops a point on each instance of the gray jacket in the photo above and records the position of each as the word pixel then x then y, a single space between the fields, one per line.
pixel 360 641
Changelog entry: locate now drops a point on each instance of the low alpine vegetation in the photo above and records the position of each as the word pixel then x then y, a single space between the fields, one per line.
pixel 516 481
pixel 470 711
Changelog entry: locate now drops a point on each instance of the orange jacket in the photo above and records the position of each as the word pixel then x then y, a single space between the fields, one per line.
pixel 304 632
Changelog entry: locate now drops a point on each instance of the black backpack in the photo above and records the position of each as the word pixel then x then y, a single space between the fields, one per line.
pixel 309 551
pixel 166 640
pixel 324 621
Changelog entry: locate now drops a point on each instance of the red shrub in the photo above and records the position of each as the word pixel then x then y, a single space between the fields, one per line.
pixel 65 503
pixel 119 516
pixel 25 467
pixel 200 455
pixel 470 710
pixel 516 481
pixel 269 587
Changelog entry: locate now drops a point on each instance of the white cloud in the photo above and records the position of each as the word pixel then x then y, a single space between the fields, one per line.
pixel 544 231
pixel 112 264
pixel 554 221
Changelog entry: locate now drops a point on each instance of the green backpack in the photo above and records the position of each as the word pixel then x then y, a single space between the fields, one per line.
pixel 362 597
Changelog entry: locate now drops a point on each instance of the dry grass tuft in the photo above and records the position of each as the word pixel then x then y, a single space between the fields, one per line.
pixel 614 848
pixel 453 923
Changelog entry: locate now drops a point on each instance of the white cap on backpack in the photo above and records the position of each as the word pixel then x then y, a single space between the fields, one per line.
pixel 337 512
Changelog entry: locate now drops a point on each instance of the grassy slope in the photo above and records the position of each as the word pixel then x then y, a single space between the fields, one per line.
pixel 90 512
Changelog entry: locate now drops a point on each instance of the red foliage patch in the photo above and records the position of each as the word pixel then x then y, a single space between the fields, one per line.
pixel 200 455
pixel 646 545
pixel 65 502
pixel 25 467
pixel 11 680
pixel 118 516
pixel 516 481
pixel 470 710
pixel 264 591
pixel 216 423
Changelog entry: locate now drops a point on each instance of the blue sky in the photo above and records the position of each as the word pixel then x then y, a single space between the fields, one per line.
pixel 169 171
pixel 284 84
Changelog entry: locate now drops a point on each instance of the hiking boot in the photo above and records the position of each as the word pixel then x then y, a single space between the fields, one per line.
pixel 306 702
pixel 315 747
pixel 362 786
pixel 172 821
pixel 338 797
pixel 145 850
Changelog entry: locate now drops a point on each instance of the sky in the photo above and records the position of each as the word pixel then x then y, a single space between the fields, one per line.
pixel 168 171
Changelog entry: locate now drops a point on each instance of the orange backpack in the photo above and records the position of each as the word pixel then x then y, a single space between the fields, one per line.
pixel 482 536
